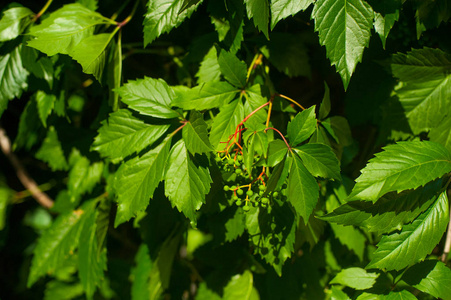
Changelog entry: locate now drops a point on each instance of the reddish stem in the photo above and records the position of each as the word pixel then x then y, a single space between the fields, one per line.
pixel 272 128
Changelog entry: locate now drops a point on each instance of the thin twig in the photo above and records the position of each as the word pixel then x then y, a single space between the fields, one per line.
pixel 28 182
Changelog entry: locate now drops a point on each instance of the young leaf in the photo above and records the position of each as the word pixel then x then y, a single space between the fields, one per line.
pixel 57 242
pixel 258 10
pixel 195 134
pixel 137 179
pixel 83 175
pixel 233 69
pixel 90 53
pixel 239 287
pixel 123 134
pixel 30 129
pixel 324 108
pixel 281 9
pixel 395 252
pixel 13 22
pixel 209 68
pixel 225 123
pixel 302 126
pixel 45 103
pixel 277 151
pixel 319 160
pixel 303 191
pixel 344 28
pixel 13 77
pixel 389 213
pixel 356 278
pixel 51 151
pixel 65 28
pixel 185 183
pixel 424 92
pixel 430 276
pixel 384 23
pixel 402 166
pixel 91 262
pixel 164 15
pixel 148 96
pixel 205 96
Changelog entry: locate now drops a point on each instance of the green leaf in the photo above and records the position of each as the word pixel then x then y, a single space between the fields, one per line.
pixel 442 133
pixel 402 166
pixel 338 294
pixel 65 28
pixel 83 175
pixel 209 67
pixel 356 278
pixel 389 213
pixel 5 194
pixel 91 262
pixel 239 287
pixel 41 67
pixel 62 291
pixel 269 227
pixel 186 183
pixel 164 15
pixel 319 160
pixel 30 129
pixel 91 4
pixel 432 277
pixel 205 96
pixel 281 9
pixel 13 22
pixel 350 237
pixel 225 123
pixel 258 10
pixel 137 179
pixel 57 242
pixel 45 103
pixel 13 77
pixel 90 53
pixel 338 127
pixel 424 91
pixel 148 96
pixel 402 295
pixel 122 134
pixel 302 126
pixel 233 69
pixel 383 24
pixel 195 134
pixel 395 252
pixel 344 28
pixel 51 151
pixel 324 108
pixel 277 151
pixel 140 274
pixel 303 191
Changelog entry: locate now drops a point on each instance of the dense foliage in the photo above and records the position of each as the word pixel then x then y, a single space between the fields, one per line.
pixel 282 149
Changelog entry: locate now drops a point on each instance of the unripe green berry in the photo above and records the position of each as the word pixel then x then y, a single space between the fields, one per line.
pixel 275 194
pixel 217 159
pixel 230 161
pixel 239 192
pixel 249 193
pixel 226 188
pixel 235 197
pixel 261 187
pixel 265 200
pixel 238 171
pixel 246 208
pixel 238 202
pixel 233 187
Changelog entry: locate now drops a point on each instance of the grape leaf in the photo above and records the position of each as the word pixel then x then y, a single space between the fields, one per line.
pixel 303 191
pixel 13 77
pixel 57 242
pixel 319 160
pixel 302 126
pixel 389 213
pixel 430 276
pixel 281 9
pixel 65 28
pixel 356 278
pixel 344 27
pixel 164 15
pixel 13 22
pixel 277 151
pixel 186 184
pixel 30 130
pixel 51 151
pixel 395 252
pixel 91 4
pixel 239 287
pixel 225 123
pixel 195 134
pixel 350 237
pixel 383 24
pixel 91 262
pixel 205 96
pixel 63 291
pixel 45 104
pixel 442 133
pixel 233 69
pixel 402 166
pixel 148 96
pixel 41 67
pixel 258 10
pixel 90 53
pixel 137 179
pixel 209 67
pixel 425 88
pixel 324 108
pixel 123 134
pixel 83 175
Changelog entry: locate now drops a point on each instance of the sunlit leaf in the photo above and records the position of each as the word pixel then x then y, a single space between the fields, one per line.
pixel 13 22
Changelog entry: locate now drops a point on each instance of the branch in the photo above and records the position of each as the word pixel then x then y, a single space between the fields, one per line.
pixel 28 182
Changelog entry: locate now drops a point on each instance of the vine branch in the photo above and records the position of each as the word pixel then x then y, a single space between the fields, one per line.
pixel 42 198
